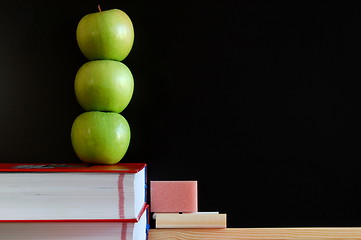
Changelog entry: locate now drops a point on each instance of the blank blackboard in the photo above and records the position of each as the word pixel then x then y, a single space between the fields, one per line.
pixel 257 101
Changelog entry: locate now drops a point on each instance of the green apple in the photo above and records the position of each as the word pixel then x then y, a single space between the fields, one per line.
pixel 104 85
pixel 105 35
pixel 100 137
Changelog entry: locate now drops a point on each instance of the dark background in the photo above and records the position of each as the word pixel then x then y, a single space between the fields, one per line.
pixel 256 100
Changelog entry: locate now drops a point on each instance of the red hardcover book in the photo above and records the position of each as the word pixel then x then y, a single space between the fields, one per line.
pixel 84 229
pixel 117 168
pixel 71 191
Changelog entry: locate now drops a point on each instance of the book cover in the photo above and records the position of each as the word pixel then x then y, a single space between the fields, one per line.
pixel 117 168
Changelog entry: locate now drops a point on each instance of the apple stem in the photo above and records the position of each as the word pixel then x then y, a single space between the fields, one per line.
pixel 99 8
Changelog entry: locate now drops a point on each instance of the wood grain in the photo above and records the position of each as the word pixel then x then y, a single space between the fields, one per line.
pixel 174 220
pixel 257 234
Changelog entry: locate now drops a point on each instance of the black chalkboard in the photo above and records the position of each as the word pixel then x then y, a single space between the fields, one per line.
pixel 258 101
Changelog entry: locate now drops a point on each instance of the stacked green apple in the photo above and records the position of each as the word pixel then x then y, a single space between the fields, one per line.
pixel 103 87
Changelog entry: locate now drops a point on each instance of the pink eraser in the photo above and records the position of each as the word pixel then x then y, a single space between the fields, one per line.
pixel 173 196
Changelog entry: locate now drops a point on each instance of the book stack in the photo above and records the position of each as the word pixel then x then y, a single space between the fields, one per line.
pixel 73 202
pixel 175 208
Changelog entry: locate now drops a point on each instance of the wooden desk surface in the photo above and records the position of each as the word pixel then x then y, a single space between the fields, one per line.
pixel 257 233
